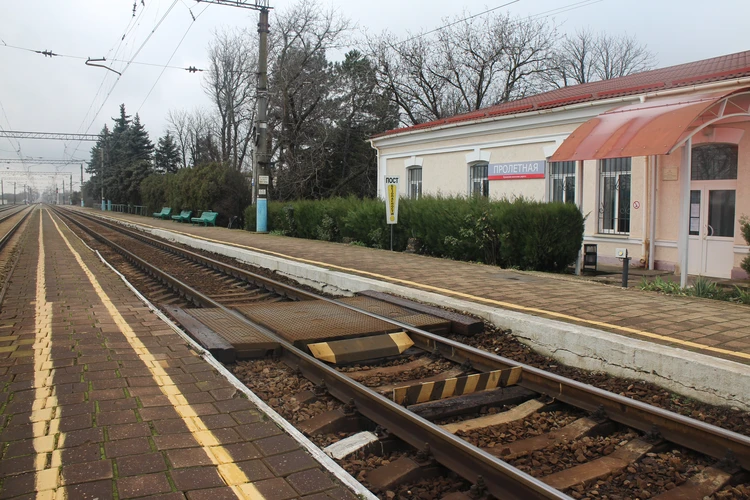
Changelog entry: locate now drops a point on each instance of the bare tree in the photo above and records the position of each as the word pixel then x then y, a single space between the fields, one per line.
pixel 471 64
pixel 179 125
pixel 230 83
pixel 586 57
pixel 621 56
pixel 300 108
pixel 195 133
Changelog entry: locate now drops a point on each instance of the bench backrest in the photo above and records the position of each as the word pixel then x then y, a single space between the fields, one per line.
pixel 165 210
pixel 209 216
pixel 186 213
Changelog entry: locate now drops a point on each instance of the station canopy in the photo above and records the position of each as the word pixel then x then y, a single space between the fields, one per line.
pixel 653 127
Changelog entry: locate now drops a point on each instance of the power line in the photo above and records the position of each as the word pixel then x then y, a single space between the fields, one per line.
pixel 123 71
pixel 548 13
pixel 565 8
pixel 48 53
pixel 190 26
pixel 457 22
pixel 60 136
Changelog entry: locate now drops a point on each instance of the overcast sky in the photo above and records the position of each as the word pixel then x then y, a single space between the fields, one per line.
pixel 60 94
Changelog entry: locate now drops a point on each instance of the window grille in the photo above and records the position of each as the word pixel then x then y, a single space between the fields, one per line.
pixel 562 181
pixel 414 181
pixel 479 183
pixel 614 196
pixel 713 162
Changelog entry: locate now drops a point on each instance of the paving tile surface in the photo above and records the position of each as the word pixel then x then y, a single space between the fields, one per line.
pixel 99 397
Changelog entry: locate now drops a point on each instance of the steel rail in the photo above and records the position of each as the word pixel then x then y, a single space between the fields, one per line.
pixel 502 480
pixel 7 236
pixel 693 434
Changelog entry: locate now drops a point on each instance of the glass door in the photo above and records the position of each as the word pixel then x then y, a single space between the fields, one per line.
pixel 711 226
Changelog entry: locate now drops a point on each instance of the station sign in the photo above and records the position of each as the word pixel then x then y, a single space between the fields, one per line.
pixel 263 180
pixel 391 199
pixel 517 170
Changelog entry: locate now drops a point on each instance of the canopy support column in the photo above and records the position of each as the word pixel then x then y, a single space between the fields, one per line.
pixel 684 233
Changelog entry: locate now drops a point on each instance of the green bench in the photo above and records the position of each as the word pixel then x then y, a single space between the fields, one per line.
pixel 183 217
pixel 165 213
pixel 206 218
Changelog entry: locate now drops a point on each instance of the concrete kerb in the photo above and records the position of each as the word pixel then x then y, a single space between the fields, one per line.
pixel 705 378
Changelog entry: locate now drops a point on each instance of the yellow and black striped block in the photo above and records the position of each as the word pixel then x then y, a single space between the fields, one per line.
pixel 353 350
pixel 431 391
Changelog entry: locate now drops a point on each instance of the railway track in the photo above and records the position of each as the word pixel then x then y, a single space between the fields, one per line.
pixel 569 434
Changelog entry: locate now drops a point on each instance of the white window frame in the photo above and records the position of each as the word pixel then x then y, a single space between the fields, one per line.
pixel 410 171
pixel 600 196
pixel 564 176
pixel 486 179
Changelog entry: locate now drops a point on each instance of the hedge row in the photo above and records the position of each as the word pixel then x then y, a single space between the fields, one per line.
pixel 520 233
pixel 207 187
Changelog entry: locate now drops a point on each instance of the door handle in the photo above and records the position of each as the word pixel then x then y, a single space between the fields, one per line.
pixel 711 228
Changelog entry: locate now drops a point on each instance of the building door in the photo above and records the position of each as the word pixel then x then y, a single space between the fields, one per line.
pixel 712 221
pixel 713 191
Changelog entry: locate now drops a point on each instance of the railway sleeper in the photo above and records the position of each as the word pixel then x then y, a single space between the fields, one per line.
pixel 615 462
pixel 703 484
pixel 333 421
pixel 575 430
pixel 403 470
pixel 471 403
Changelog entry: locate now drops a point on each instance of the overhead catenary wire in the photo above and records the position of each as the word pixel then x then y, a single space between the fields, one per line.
pixel 190 26
pixel 545 14
pixel 48 53
pixel 104 102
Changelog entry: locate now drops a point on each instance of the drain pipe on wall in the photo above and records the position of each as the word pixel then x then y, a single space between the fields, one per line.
pixel 652 214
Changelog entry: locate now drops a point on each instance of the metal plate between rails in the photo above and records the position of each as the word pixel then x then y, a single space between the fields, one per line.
pixel 417 319
pixel 241 335
pixel 314 321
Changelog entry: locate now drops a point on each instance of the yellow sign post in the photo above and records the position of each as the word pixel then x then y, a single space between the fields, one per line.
pixel 391 202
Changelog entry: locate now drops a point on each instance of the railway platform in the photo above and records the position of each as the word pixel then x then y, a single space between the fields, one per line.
pixel 687 344
pixel 712 327
pixel 101 398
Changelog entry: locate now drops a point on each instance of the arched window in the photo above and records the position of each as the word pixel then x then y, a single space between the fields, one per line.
pixel 713 162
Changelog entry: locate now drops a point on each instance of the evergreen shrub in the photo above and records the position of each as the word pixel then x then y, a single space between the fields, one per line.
pixel 523 234
pixel 745 227
pixel 207 187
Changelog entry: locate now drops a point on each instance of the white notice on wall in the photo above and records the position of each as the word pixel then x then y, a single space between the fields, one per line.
pixel 263 180
pixel 695 225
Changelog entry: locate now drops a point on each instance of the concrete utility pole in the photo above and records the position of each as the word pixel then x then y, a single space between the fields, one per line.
pixel 102 177
pixel 261 210
pixel 2 188
pixel 14 193
pixel 260 172
pixel 81 184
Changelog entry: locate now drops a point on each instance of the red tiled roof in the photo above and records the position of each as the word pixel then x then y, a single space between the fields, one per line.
pixel 698 72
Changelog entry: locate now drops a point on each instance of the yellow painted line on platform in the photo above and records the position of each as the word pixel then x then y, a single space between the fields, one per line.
pixel 474 298
pixel 233 476
pixel 45 425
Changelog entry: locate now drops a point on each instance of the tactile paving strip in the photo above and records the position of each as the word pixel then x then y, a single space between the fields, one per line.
pixel 420 320
pixel 244 338
pixel 314 321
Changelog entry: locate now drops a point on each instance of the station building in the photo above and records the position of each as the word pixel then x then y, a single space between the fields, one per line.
pixel 658 162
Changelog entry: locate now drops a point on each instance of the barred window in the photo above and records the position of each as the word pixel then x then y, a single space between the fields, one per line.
pixel 414 182
pixel 562 181
pixel 479 184
pixel 614 196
